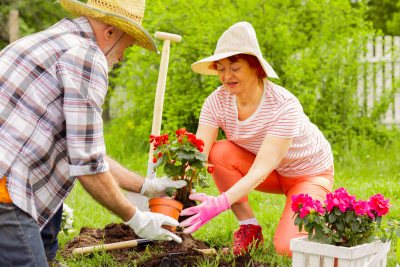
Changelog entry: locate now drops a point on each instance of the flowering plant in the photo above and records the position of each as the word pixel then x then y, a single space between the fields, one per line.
pixel 182 159
pixel 67 219
pixel 343 220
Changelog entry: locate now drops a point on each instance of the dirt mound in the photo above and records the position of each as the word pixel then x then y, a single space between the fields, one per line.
pixel 146 254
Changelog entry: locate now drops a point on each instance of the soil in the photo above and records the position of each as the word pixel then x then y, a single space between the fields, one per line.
pixel 146 254
pixel 187 203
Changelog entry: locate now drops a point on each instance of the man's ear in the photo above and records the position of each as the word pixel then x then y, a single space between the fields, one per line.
pixel 110 33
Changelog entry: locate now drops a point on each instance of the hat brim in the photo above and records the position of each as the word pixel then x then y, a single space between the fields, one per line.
pixel 202 66
pixel 141 35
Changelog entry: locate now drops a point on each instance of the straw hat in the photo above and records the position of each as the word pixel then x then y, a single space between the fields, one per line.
pixel 126 15
pixel 238 39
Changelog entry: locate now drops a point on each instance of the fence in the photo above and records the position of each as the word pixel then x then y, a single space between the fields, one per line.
pixel 381 74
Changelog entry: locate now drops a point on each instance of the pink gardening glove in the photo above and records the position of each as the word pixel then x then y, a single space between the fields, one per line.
pixel 209 208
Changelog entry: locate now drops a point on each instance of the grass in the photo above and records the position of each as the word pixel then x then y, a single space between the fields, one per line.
pixel 365 169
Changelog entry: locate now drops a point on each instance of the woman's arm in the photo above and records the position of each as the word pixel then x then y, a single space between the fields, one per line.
pixel 271 152
pixel 208 134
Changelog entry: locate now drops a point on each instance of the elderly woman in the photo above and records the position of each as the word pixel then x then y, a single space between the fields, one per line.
pixel 271 144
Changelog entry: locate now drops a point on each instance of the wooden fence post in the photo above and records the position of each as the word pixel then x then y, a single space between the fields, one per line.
pixel 13 25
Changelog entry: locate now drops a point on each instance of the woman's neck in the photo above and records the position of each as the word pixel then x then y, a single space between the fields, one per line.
pixel 252 96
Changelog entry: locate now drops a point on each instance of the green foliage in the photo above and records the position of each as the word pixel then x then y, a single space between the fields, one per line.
pixel 34 16
pixel 314 46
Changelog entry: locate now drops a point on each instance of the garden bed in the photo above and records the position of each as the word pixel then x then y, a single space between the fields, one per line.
pixel 152 254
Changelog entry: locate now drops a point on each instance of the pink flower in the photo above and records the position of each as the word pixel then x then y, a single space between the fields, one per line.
pixel 298 202
pixel 361 208
pixel 341 199
pixel 379 204
pixel 311 207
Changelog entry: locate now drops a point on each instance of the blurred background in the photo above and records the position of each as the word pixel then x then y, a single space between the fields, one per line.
pixel 339 58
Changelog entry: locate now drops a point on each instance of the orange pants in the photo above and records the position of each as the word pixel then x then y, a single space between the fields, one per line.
pixel 232 162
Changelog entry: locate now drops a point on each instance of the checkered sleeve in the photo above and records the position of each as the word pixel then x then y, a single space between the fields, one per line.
pixel 82 73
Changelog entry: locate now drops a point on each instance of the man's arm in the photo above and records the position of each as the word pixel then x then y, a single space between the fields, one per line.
pixel 125 179
pixel 103 188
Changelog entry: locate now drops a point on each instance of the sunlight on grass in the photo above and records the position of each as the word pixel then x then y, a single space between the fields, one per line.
pixel 365 170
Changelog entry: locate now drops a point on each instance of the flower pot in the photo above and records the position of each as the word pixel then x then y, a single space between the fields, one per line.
pixel 310 254
pixel 169 207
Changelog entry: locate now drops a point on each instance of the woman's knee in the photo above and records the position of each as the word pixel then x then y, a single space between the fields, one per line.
pixel 220 149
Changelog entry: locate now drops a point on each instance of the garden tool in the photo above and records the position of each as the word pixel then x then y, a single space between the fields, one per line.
pixel 209 251
pixel 138 200
pixel 168 262
pixel 113 246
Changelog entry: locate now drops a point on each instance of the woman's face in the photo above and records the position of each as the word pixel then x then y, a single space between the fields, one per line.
pixel 237 77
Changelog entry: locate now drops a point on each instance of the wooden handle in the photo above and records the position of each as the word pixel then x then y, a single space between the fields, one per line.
pixel 209 251
pixel 106 247
pixel 168 36
pixel 160 92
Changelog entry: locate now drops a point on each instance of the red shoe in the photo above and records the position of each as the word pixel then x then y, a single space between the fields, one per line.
pixel 243 239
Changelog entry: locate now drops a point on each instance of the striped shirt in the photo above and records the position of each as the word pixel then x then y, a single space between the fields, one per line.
pixel 52 86
pixel 279 114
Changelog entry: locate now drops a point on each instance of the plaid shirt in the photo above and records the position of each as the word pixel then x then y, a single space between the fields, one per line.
pixel 52 86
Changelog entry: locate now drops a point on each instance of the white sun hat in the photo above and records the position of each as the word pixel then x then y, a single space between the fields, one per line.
pixel 238 39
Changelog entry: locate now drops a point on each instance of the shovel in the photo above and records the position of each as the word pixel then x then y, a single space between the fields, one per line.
pixel 138 200
pixel 113 246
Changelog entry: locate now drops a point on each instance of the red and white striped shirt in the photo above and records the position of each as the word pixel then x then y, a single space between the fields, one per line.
pixel 278 114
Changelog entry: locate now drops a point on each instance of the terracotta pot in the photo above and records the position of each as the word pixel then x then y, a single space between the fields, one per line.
pixel 169 207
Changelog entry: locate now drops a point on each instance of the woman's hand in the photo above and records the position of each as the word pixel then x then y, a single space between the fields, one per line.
pixel 209 208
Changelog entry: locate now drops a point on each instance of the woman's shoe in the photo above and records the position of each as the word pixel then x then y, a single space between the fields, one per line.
pixel 244 238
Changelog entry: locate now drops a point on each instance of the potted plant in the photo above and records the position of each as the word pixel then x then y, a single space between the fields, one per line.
pixel 181 159
pixel 343 231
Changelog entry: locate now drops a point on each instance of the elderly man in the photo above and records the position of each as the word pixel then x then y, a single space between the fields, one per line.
pixel 52 86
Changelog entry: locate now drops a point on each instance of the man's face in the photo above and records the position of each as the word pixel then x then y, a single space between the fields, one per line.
pixel 115 51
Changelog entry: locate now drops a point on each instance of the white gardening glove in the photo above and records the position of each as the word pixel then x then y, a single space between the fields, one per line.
pixel 148 225
pixel 157 186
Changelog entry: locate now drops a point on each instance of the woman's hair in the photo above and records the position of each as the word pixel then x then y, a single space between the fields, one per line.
pixel 252 60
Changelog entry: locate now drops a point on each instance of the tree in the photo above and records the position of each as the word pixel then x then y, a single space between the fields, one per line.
pixel 34 16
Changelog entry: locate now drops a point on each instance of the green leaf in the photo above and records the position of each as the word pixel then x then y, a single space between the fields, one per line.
pixel 173 171
pixel 182 154
pixel 309 227
pixel 371 238
pixel 170 191
pixel 196 164
pixel 390 230
pixel 379 220
pixel 188 148
pixel 349 217
pixel 317 219
pixel 203 183
pixel 329 240
pixel 306 219
pixel 202 175
pixel 337 239
pixel 200 156
pixel 298 220
pixel 318 231
pixel 310 234
pixel 332 217
pixel 355 226
pixel 337 211
pixel 300 228
pixel 383 238
pixel 320 239
pixel 161 161
pixel 340 226
pixel 398 232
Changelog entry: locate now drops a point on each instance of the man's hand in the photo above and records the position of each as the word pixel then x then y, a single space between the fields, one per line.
pixel 148 225
pixel 156 187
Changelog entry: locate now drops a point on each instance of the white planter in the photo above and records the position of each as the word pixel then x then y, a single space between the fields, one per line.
pixel 312 254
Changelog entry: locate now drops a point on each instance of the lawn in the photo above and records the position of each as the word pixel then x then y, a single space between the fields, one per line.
pixel 364 169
